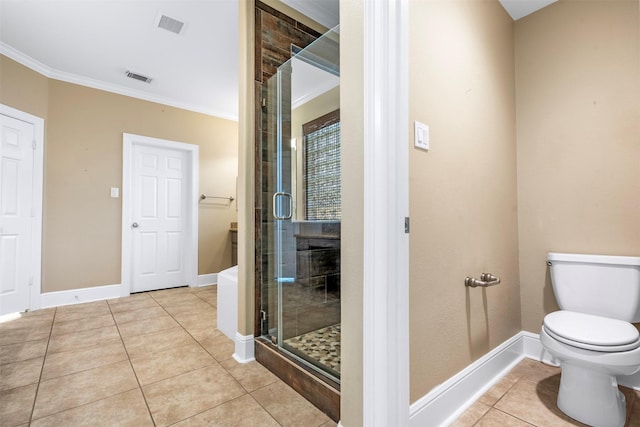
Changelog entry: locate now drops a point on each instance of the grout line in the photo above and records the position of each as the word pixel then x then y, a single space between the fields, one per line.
pixel 83 370
pixel 133 370
pixel 475 423
pixel 507 391
pixel 81 405
pixel 260 403
pixel 44 359
pixel 516 417
pixel 192 337
pixel 225 369
pixel 83 330
pixel 204 349
pixel 208 409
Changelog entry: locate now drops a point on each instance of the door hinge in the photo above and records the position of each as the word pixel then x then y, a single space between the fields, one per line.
pixel 34 144
pixel 263 315
pixel 406 224
pixel 31 281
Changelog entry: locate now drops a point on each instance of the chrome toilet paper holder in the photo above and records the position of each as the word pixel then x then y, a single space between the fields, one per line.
pixel 486 280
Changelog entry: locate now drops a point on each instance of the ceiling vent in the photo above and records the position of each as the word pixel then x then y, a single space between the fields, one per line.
pixel 170 24
pixel 137 77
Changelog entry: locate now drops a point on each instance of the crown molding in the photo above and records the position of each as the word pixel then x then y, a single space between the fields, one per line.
pixel 52 73
pixel 25 60
pixel 325 87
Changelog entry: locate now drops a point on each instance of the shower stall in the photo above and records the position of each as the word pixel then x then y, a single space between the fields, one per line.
pixel 300 184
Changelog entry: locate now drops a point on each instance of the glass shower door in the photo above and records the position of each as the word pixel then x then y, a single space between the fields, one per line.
pixel 282 200
pixel 300 302
pixel 277 201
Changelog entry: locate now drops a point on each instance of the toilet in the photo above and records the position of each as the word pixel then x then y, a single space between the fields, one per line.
pixel 591 336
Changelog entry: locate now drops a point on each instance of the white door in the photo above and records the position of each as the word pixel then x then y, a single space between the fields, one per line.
pixel 16 212
pixel 159 217
pixel 159 214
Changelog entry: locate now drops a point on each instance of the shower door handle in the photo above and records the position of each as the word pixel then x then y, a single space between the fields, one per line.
pixel 275 204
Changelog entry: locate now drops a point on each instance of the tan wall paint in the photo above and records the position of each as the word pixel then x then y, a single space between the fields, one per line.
pixel 463 191
pixel 352 242
pixel 246 169
pixel 83 159
pixel 578 103
pixel 23 89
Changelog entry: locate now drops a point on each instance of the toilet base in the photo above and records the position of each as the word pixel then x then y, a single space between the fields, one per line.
pixel 591 397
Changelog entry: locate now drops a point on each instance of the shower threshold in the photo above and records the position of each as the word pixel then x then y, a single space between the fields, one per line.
pixel 317 388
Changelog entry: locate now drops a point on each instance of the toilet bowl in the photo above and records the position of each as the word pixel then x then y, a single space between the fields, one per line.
pixel 588 386
pixel 591 336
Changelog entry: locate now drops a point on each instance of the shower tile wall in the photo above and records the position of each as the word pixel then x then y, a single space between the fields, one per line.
pixel 275 33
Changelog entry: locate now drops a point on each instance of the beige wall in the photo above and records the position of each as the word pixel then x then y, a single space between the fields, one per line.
pixel 83 159
pixel 246 169
pixel 463 202
pixel 578 103
pixel 352 241
pixel 23 89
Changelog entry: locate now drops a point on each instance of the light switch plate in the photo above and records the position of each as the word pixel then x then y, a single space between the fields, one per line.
pixel 421 136
pixel 115 192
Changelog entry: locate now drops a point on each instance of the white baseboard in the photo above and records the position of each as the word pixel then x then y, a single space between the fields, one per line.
pixel 207 279
pixel 97 293
pixel 442 405
pixel 532 349
pixel 244 352
pixel 76 296
pixel 445 403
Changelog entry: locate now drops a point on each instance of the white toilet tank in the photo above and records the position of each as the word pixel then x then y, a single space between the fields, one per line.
pixel 602 285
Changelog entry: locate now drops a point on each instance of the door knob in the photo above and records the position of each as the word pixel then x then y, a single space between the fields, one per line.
pixel 135 225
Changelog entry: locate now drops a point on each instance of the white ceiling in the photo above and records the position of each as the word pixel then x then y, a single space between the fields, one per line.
pixel 93 42
pixel 521 8
pixel 309 82
pixel 325 12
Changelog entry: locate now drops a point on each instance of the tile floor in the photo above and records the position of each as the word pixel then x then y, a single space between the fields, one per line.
pixel 526 397
pixel 157 359
pixel 154 358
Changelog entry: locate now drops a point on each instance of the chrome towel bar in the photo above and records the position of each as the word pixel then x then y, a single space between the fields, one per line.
pixel 204 196
pixel 486 279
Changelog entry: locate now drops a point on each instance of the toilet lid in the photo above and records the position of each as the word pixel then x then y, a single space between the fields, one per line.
pixel 592 332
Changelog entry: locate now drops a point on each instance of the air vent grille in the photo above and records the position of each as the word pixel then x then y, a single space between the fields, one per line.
pixel 170 24
pixel 138 77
